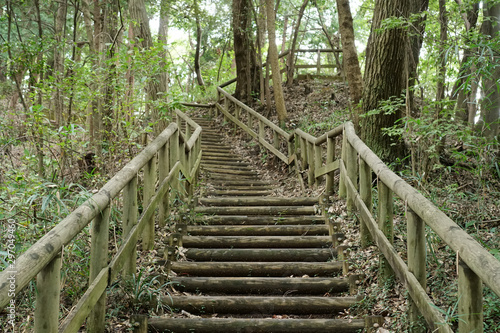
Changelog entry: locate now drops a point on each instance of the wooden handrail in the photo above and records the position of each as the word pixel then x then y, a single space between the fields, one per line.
pixel 44 256
pixel 477 264
pixel 483 263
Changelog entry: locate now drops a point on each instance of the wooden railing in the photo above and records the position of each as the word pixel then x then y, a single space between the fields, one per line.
pixel 356 164
pixel 173 156
pixel 318 66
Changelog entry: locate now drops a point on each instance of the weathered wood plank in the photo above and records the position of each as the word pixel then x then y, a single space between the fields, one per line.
pixel 330 167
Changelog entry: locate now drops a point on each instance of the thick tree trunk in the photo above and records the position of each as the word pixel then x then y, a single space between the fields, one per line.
pixel 275 66
pixel 490 105
pixel 247 75
pixel 290 65
pixel 351 62
pixel 384 78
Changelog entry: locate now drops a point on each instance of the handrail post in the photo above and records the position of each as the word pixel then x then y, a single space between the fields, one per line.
pixel 330 157
pixel 416 265
pixel 48 283
pixel 174 157
pixel 470 300
pixel 303 153
pixel 342 182
pixel 163 171
pixel 365 192
pixel 129 220
pixel 318 157
pixel 310 158
pixel 98 260
pixel 318 63
pixel 292 150
pixel 148 192
pixel 352 173
pixel 385 224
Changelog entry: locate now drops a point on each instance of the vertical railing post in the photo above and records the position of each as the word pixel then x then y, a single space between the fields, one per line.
pixel 148 192
pixel 276 140
pixel 310 162
pixel 174 157
pixel 417 265
pixel 129 220
pixel 163 171
pixel 342 183
pixel 365 192
pixel 352 173
pixel 318 63
pixel 385 224
pixel 330 157
pixel 470 300
pixel 99 246
pixel 291 151
pixel 262 133
pixel 318 161
pixel 303 153
pixel 48 283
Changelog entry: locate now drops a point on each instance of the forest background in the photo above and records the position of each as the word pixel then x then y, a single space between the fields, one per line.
pixel 84 84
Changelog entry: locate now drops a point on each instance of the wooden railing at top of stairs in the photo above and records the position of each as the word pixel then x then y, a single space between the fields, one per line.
pixel 175 152
pixel 475 264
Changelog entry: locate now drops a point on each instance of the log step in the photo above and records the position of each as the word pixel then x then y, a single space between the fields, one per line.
pixel 264 255
pixel 256 210
pixel 257 242
pixel 255 325
pixel 261 285
pixel 257 230
pixel 260 219
pixel 259 201
pixel 240 193
pixel 260 305
pixel 229 268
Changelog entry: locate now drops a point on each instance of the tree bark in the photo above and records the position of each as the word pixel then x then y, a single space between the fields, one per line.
pixel 465 111
pixel 351 62
pixel 417 30
pixel 247 75
pixel 384 78
pixel 490 105
pixel 275 66
pixel 290 65
pixel 197 55
pixel 163 38
pixel 142 33
pixel 60 28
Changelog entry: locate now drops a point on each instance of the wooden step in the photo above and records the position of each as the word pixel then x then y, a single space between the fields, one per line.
pixel 260 305
pixel 256 210
pixel 230 268
pixel 261 285
pixel 260 219
pixel 240 193
pixel 258 201
pixel 257 230
pixel 255 325
pixel 264 255
pixel 257 242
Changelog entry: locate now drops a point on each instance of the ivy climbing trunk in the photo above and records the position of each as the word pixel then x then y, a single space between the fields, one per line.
pixel 384 78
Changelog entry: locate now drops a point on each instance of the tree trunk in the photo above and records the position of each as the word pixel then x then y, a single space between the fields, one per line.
pixel 351 62
pixel 247 77
pixel 465 111
pixel 290 65
pixel 163 38
pixel 60 28
pixel 275 66
pixel 197 67
pixel 384 78
pixel 417 30
pixel 142 33
pixel 490 105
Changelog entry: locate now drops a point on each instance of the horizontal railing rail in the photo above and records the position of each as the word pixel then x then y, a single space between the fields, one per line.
pixel 174 155
pixel 356 165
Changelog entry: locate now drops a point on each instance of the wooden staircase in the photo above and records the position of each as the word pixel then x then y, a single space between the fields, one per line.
pixel 249 262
